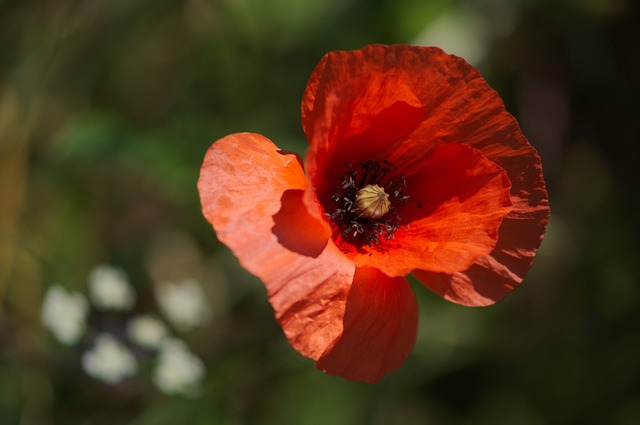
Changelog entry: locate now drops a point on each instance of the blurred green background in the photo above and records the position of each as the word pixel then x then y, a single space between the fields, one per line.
pixel 107 109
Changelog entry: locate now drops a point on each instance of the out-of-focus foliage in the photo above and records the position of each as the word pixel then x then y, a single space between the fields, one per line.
pixel 107 108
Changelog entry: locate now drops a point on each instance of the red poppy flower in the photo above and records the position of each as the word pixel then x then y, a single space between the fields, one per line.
pixel 413 166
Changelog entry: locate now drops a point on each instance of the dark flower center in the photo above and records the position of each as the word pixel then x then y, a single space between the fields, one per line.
pixel 363 209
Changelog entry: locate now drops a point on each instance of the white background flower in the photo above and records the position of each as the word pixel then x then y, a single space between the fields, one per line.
pixel 184 303
pixel 64 313
pixel 109 360
pixel 109 288
pixel 147 331
pixel 179 371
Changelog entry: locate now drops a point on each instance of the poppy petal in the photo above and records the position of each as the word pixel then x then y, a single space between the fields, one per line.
pixel 248 187
pixel 487 281
pixel 457 202
pixel 492 277
pixel 380 328
pixel 337 68
pixel 459 107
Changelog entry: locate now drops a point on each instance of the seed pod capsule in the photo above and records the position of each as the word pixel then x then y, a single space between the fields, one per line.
pixel 372 201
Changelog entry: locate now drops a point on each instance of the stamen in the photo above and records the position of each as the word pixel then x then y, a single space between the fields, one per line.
pixel 366 202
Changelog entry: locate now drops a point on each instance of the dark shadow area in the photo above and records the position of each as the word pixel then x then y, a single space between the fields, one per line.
pixel 296 229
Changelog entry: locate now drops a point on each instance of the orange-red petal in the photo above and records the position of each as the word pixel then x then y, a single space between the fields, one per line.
pixel 380 328
pixel 417 67
pixel 492 130
pixel 459 107
pixel 248 190
pixel 457 201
